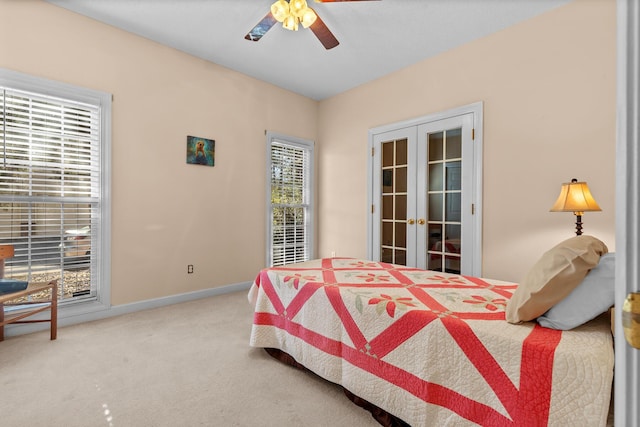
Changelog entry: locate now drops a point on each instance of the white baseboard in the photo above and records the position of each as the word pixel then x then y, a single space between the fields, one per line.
pixel 76 313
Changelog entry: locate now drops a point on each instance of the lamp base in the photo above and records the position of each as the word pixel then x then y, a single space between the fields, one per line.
pixel 578 225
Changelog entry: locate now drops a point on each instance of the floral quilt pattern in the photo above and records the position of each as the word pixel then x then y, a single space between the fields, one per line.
pixel 435 342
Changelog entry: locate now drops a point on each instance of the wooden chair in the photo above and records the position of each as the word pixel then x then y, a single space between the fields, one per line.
pixel 6 251
pixel 30 307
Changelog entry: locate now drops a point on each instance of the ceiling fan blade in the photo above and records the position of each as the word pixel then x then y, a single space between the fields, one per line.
pixel 261 28
pixel 326 37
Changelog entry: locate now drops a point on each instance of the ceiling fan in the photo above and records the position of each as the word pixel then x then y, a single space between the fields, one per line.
pixel 293 13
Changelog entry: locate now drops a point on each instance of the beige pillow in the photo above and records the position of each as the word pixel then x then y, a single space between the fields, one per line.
pixel 553 277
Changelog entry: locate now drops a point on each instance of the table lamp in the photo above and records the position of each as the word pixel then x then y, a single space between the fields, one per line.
pixel 575 197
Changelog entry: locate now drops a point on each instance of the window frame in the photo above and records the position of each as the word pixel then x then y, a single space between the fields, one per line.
pixel 309 147
pixel 45 87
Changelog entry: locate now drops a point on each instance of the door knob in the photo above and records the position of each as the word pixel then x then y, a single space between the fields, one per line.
pixel 421 221
pixel 411 221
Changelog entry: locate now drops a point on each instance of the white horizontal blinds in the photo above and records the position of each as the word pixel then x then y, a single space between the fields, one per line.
pixel 50 147
pixel 50 178
pixel 290 197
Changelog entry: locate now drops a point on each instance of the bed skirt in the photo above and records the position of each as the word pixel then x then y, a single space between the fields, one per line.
pixel 380 415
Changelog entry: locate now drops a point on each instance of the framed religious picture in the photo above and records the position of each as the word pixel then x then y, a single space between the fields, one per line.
pixel 200 151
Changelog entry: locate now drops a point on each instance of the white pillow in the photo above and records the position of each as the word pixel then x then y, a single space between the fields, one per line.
pixel 593 296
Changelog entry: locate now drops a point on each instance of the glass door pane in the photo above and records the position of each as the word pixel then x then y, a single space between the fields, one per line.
pixel 444 200
pixel 393 219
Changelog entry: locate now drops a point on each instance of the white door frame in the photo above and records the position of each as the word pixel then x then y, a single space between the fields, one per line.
pixel 411 135
pixel 627 359
pixel 467 233
pixel 476 110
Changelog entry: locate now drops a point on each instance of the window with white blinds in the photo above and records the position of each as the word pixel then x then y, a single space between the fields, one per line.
pixel 290 227
pixel 51 204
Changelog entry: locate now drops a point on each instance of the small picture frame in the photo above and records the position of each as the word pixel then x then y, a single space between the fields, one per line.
pixel 200 151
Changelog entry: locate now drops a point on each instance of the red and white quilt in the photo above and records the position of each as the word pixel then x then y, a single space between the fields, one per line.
pixel 432 348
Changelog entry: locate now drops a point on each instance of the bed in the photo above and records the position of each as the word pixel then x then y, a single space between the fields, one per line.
pixel 428 348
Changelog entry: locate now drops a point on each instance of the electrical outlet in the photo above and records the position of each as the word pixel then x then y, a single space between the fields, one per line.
pixel 333 254
pixel 189 268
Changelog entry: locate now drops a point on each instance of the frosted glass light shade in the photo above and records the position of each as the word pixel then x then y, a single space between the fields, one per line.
pixel 297 7
pixel 280 10
pixel 290 23
pixel 308 18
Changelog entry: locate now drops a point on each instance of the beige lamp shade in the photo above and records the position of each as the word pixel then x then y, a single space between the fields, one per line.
pixel 575 197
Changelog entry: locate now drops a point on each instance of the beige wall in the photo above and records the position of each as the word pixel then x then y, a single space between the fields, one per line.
pixel 165 214
pixel 548 88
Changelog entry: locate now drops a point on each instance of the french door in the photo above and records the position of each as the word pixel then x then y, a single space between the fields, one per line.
pixel 424 188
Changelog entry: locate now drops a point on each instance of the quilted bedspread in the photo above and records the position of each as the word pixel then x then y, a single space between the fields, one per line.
pixel 432 348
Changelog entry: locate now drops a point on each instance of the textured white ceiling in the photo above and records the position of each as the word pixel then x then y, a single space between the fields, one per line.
pixel 376 37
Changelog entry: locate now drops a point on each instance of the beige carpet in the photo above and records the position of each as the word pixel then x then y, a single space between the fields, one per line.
pixel 187 364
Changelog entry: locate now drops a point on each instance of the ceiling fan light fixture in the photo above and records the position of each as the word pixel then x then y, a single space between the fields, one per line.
pixel 291 14
pixel 297 8
pixel 280 10
pixel 308 18
pixel 290 23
